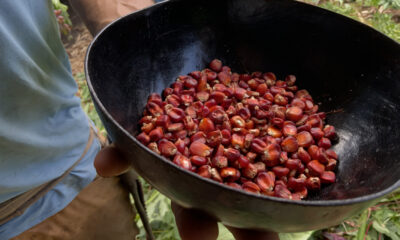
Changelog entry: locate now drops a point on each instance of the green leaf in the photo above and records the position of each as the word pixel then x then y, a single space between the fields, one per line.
pixel 387 221
pixel 363 221
pixel 224 233
pixel 385 230
pixel 296 236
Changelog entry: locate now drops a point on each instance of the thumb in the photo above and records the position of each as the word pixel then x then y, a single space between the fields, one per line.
pixel 110 162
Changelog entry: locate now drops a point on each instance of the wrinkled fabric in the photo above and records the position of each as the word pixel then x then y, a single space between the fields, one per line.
pixel 43 129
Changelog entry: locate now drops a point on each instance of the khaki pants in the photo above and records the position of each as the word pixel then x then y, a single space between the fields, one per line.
pixel 101 211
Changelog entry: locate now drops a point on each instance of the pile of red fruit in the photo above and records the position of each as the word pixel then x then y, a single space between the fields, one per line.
pixel 248 131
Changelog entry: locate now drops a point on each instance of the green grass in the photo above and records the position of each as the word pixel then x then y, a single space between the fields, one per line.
pixel 379 222
pixel 87 103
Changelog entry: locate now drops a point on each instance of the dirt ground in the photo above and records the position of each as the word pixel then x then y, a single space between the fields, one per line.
pixel 76 43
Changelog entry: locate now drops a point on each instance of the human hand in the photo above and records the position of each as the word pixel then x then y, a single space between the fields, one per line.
pixel 96 14
pixel 110 162
pixel 192 224
pixel 196 225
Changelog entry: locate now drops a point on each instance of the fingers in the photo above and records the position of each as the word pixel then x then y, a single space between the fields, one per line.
pixel 193 224
pixel 109 162
pixel 245 234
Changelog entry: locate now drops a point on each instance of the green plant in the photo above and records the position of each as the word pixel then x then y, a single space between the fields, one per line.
pixel 86 102
pixel 63 19
pixel 384 23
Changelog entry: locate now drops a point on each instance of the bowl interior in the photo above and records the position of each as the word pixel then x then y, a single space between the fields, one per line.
pixel 352 70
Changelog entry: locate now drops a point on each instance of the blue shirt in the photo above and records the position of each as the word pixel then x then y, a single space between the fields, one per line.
pixel 43 129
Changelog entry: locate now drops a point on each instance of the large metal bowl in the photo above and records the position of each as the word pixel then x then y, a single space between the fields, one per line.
pixel 345 65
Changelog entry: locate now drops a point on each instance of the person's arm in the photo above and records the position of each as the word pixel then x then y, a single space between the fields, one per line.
pixel 96 14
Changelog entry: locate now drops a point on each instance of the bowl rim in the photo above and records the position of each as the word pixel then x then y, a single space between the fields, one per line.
pixel 316 203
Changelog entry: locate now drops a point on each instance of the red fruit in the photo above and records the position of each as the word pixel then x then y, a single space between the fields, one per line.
pixel 198 161
pixel 329 132
pixel 232 154
pixel 313 183
pixel 226 137
pixel 202 96
pixel 147 127
pixel 313 151
pixel 219 97
pixel 253 84
pixel 214 138
pixel 328 177
pixel 303 155
pixel 315 168
pixel 163 121
pixel 243 161
pixel 258 145
pixel 269 76
pixel 296 183
pixel 175 127
pixel 289 144
pixel 260 166
pixel 279 122
pixel 323 157
pixel 274 132
pixel 190 82
pixel 237 121
pixel 146 119
pixel 298 103
pixel 204 171
pixel 195 74
pixel 300 194
pixel 199 136
pixel 271 155
pixel 294 113
pixel 154 109
pixel 200 149
pixel 262 89
pixel 167 92
pixel 216 65
pixel 167 148
pixel 324 143
pixel 156 134
pixel 289 129
pixel 225 78
pixel 331 153
pixel 290 80
pixel 266 181
pixel 317 133
pixel 153 147
pixel 251 156
pixel 230 174
pixel 277 90
pixel 143 138
pixel 240 93
pixel 233 185
pixel 282 192
pixel 211 75
pixel 206 125
pixel 280 171
pixel 219 162
pixel 215 175
pixel 217 115
pixel 292 164
pixel 176 114
pixel 180 145
pixel 237 141
pixel 250 187
pixel 304 139
pixel 183 162
pixel 331 165
pixel 250 171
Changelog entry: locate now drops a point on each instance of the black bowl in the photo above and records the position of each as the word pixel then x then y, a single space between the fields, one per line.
pixel 353 70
